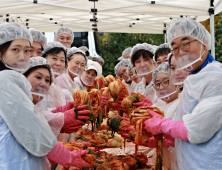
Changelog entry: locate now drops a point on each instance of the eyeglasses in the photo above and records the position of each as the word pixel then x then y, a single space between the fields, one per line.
pixel 164 84
pixel 184 47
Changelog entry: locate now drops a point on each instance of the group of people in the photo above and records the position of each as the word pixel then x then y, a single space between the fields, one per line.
pixel 37 80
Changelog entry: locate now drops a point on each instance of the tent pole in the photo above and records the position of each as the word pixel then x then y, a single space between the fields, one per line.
pixel 211 13
pixel 165 38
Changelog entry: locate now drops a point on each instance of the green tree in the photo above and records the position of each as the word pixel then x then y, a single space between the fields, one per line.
pixel 113 44
pixel 218 39
pixel 218 34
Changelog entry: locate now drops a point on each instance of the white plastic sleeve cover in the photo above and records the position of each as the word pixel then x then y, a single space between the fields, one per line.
pixel 205 120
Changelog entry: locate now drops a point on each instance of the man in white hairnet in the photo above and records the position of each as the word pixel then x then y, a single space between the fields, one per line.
pixel 39 42
pixel 65 36
pixel 196 125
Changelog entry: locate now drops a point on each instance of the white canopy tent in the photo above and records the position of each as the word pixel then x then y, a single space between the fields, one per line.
pixel 129 16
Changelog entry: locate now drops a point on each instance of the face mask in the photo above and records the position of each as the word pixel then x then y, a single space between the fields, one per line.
pixel 178 83
pixel 42 92
pixel 21 66
pixel 87 81
pixel 187 60
pixel 167 97
pixel 144 70
pixel 67 45
pixel 57 74
pixel 77 72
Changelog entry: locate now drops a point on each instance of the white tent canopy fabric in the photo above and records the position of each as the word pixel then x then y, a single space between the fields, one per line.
pixel 129 16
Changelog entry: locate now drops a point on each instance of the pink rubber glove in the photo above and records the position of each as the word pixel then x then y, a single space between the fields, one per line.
pixel 61 155
pixel 64 108
pixel 71 124
pixel 76 159
pixel 104 100
pixel 158 124
pixel 167 143
pixel 143 104
pixel 119 104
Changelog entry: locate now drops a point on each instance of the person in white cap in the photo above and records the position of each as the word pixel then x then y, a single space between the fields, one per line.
pixel 196 126
pixel 92 71
pixel 65 36
pixel 39 42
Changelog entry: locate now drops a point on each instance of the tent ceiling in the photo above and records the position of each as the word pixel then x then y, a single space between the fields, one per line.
pixel 131 16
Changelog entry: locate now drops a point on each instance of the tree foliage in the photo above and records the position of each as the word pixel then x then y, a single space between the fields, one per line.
pixel 113 44
pixel 218 35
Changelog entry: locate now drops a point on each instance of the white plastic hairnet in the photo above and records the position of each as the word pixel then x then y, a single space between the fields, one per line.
pixel 163 68
pixel 74 50
pixel 190 28
pixel 155 47
pixel 100 59
pixel 95 59
pixel 123 62
pixel 39 61
pixel 84 48
pixel 95 66
pixel 128 69
pixel 164 45
pixel 63 30
pixel 12 31
pixel 29 127
pixel 126 51
pixel 90 57
pixel 51 45
pixel 39 37
pixel 143 46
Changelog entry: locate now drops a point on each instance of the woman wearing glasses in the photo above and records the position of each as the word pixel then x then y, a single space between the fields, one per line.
pixel 168 100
